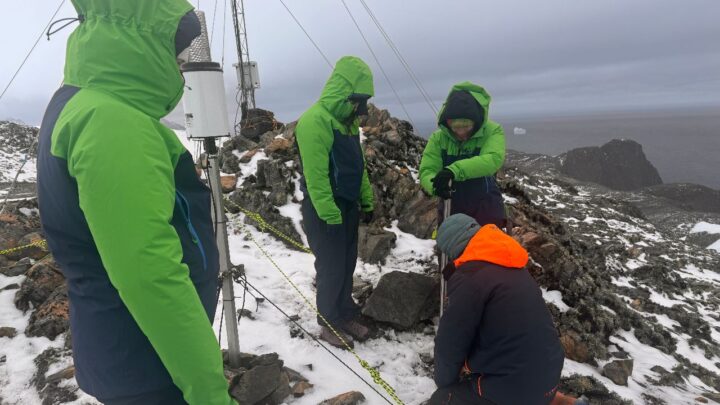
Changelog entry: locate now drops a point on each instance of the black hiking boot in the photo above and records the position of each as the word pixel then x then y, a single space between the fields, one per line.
pixel 327 335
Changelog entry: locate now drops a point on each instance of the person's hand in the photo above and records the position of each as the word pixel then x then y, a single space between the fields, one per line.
pixel 442 183
pixel 367 216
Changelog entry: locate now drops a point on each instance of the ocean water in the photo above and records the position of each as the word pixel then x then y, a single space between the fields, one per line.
pixel 683 145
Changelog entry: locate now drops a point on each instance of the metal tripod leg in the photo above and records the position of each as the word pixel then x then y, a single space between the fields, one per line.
pixel 444 260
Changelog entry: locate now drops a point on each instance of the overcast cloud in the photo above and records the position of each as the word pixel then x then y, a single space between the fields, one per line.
pixel 553 57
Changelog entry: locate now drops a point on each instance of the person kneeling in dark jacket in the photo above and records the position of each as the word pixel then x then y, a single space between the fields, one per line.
pixel 496 343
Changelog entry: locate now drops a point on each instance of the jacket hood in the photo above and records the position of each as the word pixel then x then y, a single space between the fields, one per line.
pixel 492 245
pixel 350 76
pixel 126 48
pixel 456 102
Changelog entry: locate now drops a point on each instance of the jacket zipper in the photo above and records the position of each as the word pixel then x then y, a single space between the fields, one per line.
pixel 185 209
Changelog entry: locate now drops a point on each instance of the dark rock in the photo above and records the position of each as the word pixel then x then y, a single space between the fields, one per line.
pixel 618 371
pixel 18 268
pixel 13 286
pixel 52 317
pixel 374 244
pixel 594 390
pixel 42 279
pixel 348 398
pixel 8 332
pixel 258 383
pixel 3 359
pixel 703 239
pixel 419 217
pixel 283 391
pixel 257 122
pixel 241 143
pixel 619 164
pixel 245 313
pixel 401 299
pixel 230 163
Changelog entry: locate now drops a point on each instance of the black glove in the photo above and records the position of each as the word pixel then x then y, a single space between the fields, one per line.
pixel 367 216
pixel 442 183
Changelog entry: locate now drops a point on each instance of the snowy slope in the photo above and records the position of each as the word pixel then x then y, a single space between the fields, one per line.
pixel 397 355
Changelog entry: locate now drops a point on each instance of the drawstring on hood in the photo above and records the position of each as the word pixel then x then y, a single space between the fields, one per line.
pixel 70 20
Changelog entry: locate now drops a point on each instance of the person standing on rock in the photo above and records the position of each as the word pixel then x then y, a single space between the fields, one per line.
pixel 463 155
pixel 125 214
pixel 496 343
pixel 337 193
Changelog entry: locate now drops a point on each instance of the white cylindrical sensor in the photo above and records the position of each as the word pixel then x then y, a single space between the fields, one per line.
pixel 204 101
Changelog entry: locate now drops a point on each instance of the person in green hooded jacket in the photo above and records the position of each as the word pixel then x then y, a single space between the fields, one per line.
pixel 463 155
pixel 337 193
pixel 124 213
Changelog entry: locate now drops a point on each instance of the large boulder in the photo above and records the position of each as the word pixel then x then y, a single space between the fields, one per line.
pixel 619 164
pixel 403 299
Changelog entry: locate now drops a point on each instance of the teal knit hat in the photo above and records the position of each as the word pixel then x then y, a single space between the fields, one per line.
pixel 455 233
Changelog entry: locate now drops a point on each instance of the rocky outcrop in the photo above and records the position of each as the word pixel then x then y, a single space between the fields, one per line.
pixel 689 197
pixel 619 164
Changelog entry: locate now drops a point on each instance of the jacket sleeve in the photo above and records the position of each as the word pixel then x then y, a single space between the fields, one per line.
pixel 315 138
pixel 431 162
pixel 125 178
pixel 457 330
pixel 488 162
pixel 367 200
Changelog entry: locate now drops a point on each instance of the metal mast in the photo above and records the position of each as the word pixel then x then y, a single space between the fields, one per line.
pixel 247 71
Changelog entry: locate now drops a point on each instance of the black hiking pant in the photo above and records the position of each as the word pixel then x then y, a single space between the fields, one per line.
pixel 335 250
pixel 462 393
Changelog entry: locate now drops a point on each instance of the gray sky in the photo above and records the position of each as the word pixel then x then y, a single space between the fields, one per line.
pixel 554 57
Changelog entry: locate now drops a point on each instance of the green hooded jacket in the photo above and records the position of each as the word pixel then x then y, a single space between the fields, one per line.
pixel 123 160
pixel 489 138
pixel 330 170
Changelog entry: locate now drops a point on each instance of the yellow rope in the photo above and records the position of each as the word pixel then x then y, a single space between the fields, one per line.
pixel 374 373
pixel 39 243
